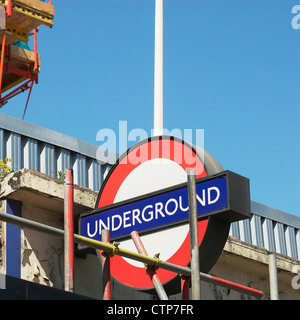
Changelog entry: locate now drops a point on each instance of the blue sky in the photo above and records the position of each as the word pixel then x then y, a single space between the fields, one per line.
pixel 230 67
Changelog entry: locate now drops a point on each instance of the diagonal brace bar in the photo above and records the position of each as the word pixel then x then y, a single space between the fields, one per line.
pixel 152 274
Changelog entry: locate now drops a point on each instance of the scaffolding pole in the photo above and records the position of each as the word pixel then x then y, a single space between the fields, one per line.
pixel 69 231
pixel 105 260
pixel 273 277
pixel 185 287
pixel 150 271
pixel 114 249
pixel 193 222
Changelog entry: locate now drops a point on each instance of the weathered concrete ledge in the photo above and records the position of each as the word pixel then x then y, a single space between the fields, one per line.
pixel 43 191
pixel 260 255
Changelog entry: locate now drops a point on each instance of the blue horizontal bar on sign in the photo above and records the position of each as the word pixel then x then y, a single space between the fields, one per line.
pixel 163 209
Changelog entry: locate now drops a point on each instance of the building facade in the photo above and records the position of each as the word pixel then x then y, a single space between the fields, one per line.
pixel 49 152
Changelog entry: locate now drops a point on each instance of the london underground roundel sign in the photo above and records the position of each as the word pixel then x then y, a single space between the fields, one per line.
pixel 150 165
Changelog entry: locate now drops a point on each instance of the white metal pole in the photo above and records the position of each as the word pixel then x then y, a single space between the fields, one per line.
pixel 158 71
pixel 273 277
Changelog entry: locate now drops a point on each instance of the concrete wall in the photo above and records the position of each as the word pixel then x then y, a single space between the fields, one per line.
pixel 42 260
pixel 42 255
pixel 247 264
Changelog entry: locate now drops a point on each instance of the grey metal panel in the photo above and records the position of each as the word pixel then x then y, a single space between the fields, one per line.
pixel 235 230
pixel 94 175
pixel 256 231
pixel 104 170
pixel 297 236
pixel 268 234
pixel 280 238
pixel 48 160
pixel 98 178
pixel 247 231
pixel 80 170
pixel 290 237
pixel 241 231
pixel 63 159
pixel 14 150
pixel 30 154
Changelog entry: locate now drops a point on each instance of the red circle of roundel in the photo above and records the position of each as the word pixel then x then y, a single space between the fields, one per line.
pixel 166 148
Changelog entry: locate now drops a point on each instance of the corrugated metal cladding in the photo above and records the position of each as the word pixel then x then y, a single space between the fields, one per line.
pixel 270 228
pixel 47 151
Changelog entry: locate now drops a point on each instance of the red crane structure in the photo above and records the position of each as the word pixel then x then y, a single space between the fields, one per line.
pixel 20 66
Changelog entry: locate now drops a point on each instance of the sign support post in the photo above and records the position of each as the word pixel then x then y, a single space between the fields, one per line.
pixel 195 262
pixel 158 70
pixel 105 260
